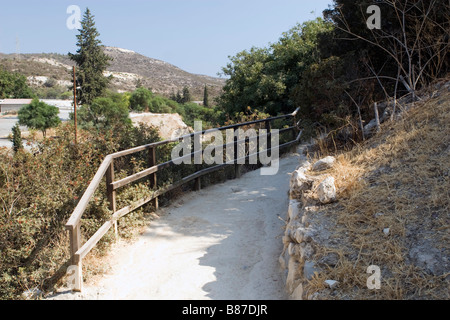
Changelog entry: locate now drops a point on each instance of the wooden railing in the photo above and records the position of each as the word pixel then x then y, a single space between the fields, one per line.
pixel 79 251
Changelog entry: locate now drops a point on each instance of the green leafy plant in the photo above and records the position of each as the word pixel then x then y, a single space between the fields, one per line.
pixel 40 116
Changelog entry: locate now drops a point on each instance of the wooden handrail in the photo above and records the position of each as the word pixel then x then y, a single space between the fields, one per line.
pixel 84 201
pixel 178 139
pixel 145 173
pixel 73 225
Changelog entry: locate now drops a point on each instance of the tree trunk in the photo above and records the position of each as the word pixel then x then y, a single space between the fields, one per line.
pixel 377 117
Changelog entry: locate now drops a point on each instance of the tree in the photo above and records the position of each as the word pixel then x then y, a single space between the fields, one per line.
pixel 205 97
pixel 109 113
pixel 40 116
pixel 411 46
pixel 91 61
pixel 13 86
pixel 264 78
pixel 178 97
pixel 17 138
pixel 186 95
pixel 173 96
pixel 138 83
pixel 140 100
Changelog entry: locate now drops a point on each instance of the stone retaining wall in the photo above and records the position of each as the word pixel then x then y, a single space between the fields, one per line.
pixel 306 229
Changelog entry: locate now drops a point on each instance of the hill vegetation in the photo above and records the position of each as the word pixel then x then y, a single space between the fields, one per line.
pixel 50 72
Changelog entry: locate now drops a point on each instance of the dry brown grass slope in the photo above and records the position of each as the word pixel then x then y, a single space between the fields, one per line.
pixel 398 180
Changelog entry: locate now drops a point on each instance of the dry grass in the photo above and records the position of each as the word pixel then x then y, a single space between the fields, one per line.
pixel 399 179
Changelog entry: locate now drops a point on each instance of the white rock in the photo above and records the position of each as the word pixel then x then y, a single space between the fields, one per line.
pixel 294 209
pixel 298 234
pixel 306 252
pixel 293 276
pixel 32 294
pixel 331 283
pixel 291 249
pixel 298 293
pixel 299 181
pixel 326 191
pixel 324 164
pixel 305 167
pixel 386 231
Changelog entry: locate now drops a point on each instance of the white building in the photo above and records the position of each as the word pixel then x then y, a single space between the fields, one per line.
pixel 13 105
pixel 62 104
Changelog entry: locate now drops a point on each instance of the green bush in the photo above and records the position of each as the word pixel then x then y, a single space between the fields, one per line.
pixel 39 191
pixel 39 115
pixel 13 85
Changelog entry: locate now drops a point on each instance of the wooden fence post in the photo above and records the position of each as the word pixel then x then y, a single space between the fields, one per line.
pixel 111 193
pixel 75 244
pixel 269 135
pixel 196 142
pixel 257 144
pixel 296 130
pixel 153 181
pixel 237 167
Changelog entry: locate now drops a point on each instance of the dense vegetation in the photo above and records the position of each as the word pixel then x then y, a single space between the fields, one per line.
pixel 38 192
pixel 13 85
pixel 335 68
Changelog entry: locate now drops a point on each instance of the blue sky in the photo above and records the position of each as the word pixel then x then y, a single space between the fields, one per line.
pixel 195 35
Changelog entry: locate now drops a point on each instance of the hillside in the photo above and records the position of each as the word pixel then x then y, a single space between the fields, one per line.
pixel 391 211
pixel 126 68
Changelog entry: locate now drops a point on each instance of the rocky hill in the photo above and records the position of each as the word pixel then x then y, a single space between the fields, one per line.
pixel 127 68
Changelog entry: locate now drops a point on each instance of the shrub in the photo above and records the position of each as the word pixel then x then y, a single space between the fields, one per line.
pixel 39 115
pixel 38 193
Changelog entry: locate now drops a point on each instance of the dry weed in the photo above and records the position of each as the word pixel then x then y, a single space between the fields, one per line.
pixel 397 181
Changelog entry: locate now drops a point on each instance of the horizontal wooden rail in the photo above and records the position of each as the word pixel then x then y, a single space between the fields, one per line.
pixel 178 139
pixel 145 173
pixel 73 225
pixel 84 201
pixel 123 212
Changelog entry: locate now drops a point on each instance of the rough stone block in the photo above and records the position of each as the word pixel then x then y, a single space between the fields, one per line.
pixel 324 164
pixel 326 191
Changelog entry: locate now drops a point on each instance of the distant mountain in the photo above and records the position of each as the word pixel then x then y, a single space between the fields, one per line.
pixel 128 68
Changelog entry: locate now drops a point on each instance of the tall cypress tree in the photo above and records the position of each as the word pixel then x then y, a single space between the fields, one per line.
pixel 205 97
pixel 186 95
pixel 91 61
pixel 17 138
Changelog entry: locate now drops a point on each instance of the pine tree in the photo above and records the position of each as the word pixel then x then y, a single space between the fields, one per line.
pixel 173 96
pixel 17 138
pixel 91 61
pixel 179 98
pixel 186 95
pixel 206 97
